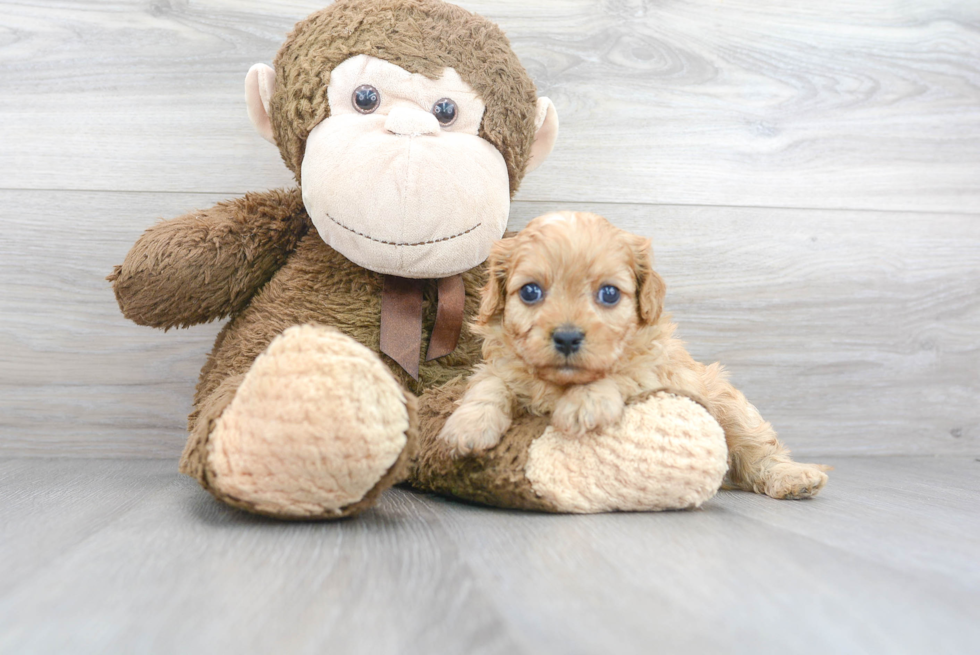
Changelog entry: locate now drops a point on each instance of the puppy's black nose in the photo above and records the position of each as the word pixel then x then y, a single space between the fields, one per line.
pixel 567 340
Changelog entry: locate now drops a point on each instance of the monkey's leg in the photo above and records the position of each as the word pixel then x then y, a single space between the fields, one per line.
pixel 757 460
pixel 316 428
pixel 667 452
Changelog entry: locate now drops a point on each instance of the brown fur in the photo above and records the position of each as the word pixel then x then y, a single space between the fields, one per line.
pixel 628 350
pixel 167 280
pixel 499 476
pixel 208 264
pixel 259 260
pixel 421 36
pixel 496 478
pixel 320 286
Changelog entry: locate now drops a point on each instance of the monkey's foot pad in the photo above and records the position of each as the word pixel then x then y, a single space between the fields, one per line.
pixel 314 431
pixel 666 453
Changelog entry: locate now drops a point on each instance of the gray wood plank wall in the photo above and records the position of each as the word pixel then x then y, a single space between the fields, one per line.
pixel 809 172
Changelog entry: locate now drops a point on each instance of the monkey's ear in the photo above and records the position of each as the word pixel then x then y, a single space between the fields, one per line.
pixel 650 287
pixel 494 295
pixel 545 133
pixel 260 82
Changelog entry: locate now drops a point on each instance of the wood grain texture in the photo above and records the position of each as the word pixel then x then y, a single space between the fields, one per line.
pixel 853 332
pixel 833 104
pixel 112 556
pixel 168 570
pixel 853 322
pixel 844 574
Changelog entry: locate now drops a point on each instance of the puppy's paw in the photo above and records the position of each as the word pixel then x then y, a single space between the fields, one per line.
pixel 582 410
pixel 793 480
pixel 474 428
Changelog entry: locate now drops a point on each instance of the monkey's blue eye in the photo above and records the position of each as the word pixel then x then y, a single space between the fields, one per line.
pixel 608 295
pixel 531 293
pixel 366 99
pixel 445 112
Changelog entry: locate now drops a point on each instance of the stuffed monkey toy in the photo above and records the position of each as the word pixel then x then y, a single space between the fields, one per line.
pixel 408 125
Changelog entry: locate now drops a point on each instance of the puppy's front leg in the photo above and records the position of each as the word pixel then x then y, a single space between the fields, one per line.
pixel 587 407
pixel 758 461
pixel 482 417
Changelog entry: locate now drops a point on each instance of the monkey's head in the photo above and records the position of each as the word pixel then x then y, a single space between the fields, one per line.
pixel 409 125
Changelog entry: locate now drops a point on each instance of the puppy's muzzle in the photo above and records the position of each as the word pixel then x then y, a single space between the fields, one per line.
pixel 567 339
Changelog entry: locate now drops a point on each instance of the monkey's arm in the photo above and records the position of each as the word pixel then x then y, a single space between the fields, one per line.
pixel 207 264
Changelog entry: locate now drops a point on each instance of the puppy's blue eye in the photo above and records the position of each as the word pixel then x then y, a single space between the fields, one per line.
pixel 608 295
pixel 531 293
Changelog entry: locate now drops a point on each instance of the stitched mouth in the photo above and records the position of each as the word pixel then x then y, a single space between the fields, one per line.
pixel 396 243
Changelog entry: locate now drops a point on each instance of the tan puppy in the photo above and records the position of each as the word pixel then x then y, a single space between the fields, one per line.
pixel 572 326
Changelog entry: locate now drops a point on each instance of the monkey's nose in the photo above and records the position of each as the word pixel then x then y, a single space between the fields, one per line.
pixel 567 340
pixel 406 121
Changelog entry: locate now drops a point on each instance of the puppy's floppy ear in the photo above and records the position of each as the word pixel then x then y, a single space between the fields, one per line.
pixel 650 287
pixel 494 294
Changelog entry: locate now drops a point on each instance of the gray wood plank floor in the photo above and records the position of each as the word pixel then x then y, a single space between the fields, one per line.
pixel 127 556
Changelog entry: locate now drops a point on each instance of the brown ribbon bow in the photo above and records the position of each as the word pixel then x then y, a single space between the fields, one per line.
pixel 401 320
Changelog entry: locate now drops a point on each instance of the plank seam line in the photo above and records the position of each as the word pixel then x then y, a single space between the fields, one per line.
pixel 911 212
